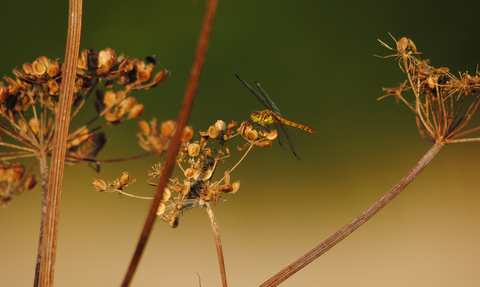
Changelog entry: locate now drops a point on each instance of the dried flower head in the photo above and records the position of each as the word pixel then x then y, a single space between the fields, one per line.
pixel 439 97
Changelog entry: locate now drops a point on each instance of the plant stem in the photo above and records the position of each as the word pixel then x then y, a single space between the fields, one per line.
pixel 218 243
pixel 44 175
pixel 181 123
pixel 357 222
pixel 57 164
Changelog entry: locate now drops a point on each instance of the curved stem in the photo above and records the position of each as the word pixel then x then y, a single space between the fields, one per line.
pixel 357 222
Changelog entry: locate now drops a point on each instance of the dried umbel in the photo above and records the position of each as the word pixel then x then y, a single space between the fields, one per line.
pixel 198 161
pixel 150 138
pixel 29 103
pixel 443 104
pixel 13 181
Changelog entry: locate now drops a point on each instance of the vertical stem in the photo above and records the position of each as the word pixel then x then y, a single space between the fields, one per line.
pixel 218 243
pixel 62 122
pixel 181 123
pixel 44 175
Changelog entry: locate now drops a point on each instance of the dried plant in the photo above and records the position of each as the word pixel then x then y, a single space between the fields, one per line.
pixel 29 106
pixel 443 105
pixel 197 160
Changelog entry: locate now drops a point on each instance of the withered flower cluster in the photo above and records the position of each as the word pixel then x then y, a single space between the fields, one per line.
pixel 13 181
pixel 443 104
pixel 28 104
pixel 198 161
pixel 150 138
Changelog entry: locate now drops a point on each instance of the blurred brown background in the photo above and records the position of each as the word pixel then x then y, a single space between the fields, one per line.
pixel 316 61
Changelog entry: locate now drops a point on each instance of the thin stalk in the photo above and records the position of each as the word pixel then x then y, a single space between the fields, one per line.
pixel 44 174
pixel 181 123
pixel 357 222
pixel 218 242
pixel 62 121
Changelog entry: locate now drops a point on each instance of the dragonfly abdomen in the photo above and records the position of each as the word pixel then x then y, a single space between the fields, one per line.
pixel 281 120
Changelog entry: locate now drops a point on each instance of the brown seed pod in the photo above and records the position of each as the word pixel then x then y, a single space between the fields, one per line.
pixel 99 184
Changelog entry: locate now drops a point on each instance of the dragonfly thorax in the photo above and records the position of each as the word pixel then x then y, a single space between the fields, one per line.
pixel 263 118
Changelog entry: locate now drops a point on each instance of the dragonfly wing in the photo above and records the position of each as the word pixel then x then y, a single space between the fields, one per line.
pixel 287 138
pixel 271 104
pixel 259 97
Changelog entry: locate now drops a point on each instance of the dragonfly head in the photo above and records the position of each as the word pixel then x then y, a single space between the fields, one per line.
pixel 256 116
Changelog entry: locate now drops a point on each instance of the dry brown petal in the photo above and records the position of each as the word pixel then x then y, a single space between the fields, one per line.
pixel 193 149
pixel 272 135
pixel 53 69
pixel 186 186
pixel 265 144
pixel 34 125
pixel 30 182
pixel 23 126
pixel 159 78
pixel 136 111
pixel 39 67
pixel 28 68
pixel 226 188
pixel 99 184
pixel 109 98
pixel 105 55
pixel 189 172
pixel 92 58
pixel 187 134
pixel 227 177
pixel 144 127
pixel 102 72
pixel 15 172
pixel 252 134
pixel 174 220
pixel 231 126
pixel 169 128
pixel 119 113
pixel 144 75
pixel 236 186
pixel 129 103
pixel 221 126
pixel 213 132
pixel 161 209
pixel 121 95
pixel 53 87
pixel 166 195
pixel 402 44
pixel 82 64
pixel 125 178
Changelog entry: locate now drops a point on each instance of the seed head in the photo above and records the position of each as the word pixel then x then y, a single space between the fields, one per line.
pixel 213 132
pixel 99 184
pixel 187 134
pixel 193 149
pixel 30 182
pixel 220 125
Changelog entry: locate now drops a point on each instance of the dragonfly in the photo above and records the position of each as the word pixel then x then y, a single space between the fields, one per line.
pixel 271 115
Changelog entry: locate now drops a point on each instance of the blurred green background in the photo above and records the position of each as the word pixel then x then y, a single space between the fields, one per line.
pixel 316 61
